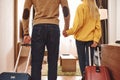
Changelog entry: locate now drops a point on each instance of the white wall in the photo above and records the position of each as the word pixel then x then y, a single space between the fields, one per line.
pixel 112 21
pixel 20 7
pixel 118 22
pixel 6 35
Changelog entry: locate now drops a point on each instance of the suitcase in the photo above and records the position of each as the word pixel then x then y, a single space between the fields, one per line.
pixel 16 75
pixel 97 72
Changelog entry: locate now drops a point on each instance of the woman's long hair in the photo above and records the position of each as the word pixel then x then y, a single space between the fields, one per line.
pixel 94 12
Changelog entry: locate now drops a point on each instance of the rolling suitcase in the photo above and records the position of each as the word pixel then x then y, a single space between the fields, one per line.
pixel 97 72
pixel 16 75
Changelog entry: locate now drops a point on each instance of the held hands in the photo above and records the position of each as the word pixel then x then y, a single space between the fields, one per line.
pixel 64 32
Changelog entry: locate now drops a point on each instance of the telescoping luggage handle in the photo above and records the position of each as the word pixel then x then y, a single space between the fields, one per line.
pixel 99 64
pixel 28 59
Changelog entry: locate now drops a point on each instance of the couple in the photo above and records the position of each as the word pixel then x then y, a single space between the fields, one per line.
pixel 86 30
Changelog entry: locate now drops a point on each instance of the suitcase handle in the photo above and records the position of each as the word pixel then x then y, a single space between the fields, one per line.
pixel 98 51
pixel 97 67
pixel 18 58
pixel 25 44
pixel 89 53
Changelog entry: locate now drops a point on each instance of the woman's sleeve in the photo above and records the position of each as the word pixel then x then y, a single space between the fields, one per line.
pixel 98 31
pixel 78 21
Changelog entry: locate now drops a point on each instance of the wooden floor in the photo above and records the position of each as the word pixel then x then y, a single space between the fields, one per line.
pixel 64 78
pixel 22 65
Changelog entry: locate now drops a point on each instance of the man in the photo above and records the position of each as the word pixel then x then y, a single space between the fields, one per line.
pixel 45 33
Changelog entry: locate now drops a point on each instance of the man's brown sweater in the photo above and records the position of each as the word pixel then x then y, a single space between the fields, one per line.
pixel 46 11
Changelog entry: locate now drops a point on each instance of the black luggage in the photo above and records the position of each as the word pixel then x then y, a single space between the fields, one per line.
pixel 16 75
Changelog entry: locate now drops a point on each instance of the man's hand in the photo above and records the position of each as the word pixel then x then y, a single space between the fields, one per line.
pixel 27 39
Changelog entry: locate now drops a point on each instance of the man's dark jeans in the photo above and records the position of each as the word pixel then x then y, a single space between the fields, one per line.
pixel 45 35
pixel 82 49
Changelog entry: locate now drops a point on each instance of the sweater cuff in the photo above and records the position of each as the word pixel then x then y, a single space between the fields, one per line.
pixel 26 34
pixel 96 40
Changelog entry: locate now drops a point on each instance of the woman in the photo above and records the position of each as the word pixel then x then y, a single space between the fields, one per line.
pixel 86 30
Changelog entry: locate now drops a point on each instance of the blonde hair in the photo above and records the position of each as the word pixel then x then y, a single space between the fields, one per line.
pixel 93 8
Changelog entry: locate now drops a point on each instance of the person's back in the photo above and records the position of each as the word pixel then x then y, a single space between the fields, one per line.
pixel 46 11
pixel 45 32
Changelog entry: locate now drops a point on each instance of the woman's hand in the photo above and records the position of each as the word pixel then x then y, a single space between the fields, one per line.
pixel 94 44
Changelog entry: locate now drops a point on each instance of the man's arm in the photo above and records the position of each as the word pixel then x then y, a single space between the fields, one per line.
pixel 66 13
pixel 25 21
pixel 25 17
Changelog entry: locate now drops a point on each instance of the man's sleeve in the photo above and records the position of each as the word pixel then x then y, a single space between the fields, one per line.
pixel 66 12
pixel 25 17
